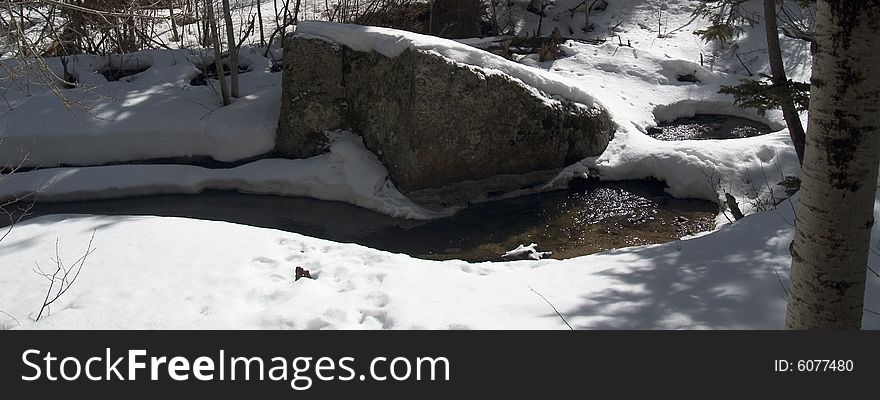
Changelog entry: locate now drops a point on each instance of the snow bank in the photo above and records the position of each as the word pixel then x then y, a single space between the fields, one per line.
pixel 153 273
pixel 173 273
pixel 523 252
pixel 639 86
pixel 689 108
pixel 391 43
pixel 348 172
pixel 156 113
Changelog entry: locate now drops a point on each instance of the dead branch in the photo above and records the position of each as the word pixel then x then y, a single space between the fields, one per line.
pixel 552 306
pixel 61 276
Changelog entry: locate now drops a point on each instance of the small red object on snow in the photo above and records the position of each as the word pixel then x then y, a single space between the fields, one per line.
pixel 302 273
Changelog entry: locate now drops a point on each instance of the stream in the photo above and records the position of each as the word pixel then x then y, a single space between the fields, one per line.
pixel 588 217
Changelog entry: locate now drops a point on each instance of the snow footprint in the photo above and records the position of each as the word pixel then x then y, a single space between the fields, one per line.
pixel 379 299
pixel 278 322
pixel 467 268
pixel 317 324
pixel 346 286
pixel 294 245
pixel 294 257
pixel 766 154
pixel 264 262
pixel 608 67
pixel 339 274
pixel 373 259
pixel 331 318
pixel 376 319
pixel 377 278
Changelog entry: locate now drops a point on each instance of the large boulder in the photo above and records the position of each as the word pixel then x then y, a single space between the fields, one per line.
pixel 449 133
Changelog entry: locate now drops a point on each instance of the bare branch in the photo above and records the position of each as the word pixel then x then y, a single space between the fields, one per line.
pixel 65 281
pixel 551 306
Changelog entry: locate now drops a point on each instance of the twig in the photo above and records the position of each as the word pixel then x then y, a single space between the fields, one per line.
pixel 743 64
pixel 551 306
pixel 87 10
pixel 869 266
pixel 64 283
pixel 779 278
pixel 10 316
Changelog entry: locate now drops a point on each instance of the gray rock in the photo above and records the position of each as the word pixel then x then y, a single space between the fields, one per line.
pixel 448 133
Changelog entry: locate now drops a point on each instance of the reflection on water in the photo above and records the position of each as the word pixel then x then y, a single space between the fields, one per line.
pixel 588 217
pixel 708 126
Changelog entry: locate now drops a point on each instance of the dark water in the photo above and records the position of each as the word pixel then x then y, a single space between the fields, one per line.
pixel 589 217
pixel 115 74
pixel 708 126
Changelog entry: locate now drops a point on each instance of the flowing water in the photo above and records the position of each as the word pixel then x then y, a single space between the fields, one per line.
pixel 588 217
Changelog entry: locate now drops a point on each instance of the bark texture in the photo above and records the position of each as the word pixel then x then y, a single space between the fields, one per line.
pixel 839 175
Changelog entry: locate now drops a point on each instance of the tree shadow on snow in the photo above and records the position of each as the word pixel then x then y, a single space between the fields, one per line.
pixel 732 279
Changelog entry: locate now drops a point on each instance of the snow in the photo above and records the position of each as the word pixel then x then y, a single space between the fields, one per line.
pixel 392 43
pixel 154 114
pixel 175 273
pixel 158 114
pixel 348 172
pixel 638 85
pixel 523 252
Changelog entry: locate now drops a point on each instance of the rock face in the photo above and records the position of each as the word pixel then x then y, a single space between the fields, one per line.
pixel 448 133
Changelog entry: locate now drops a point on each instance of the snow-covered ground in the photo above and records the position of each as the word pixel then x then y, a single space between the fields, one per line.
pixel 348 172
pixel 154 114
pixel 164 273
pixel 150 272
pixel 158 113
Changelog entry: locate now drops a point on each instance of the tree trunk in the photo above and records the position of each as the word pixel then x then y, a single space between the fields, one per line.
pixel 175 36
pixel 218 64
pixel 233 50
pixel 789 112
pixel 260 17
pixel 839 175
pixel 207 38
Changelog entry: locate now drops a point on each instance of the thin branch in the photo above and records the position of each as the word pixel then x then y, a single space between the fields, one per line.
pixel 17 322
pixel 87 10
pixel 779 278
pixel 551 306
pixel 65 281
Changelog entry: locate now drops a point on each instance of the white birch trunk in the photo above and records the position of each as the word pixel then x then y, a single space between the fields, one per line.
pixel 839 175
